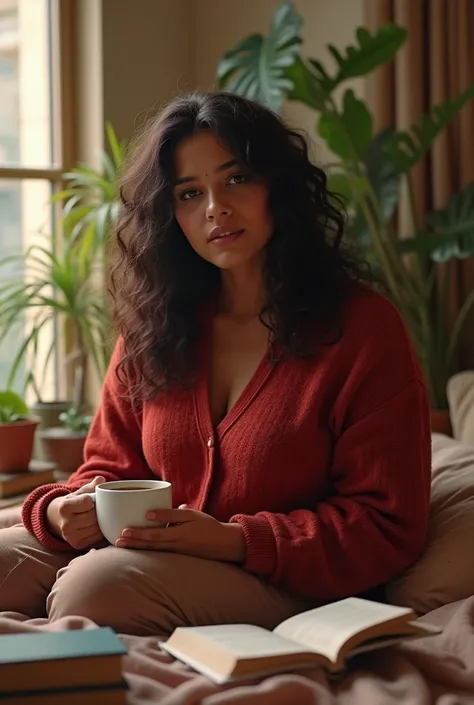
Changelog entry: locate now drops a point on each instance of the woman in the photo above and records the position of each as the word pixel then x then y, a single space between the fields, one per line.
pixel 257 372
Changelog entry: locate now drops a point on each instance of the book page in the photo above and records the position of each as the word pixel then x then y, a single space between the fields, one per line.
pixel 244 640
pixel 326 629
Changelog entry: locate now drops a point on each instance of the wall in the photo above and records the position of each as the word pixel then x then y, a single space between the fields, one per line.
pixel 147 57
pixel 153 49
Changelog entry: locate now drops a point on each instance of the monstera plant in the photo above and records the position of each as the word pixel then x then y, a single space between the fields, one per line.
pixel 368 172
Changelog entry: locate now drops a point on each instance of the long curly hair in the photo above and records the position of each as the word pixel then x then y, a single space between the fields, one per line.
pixel 158 282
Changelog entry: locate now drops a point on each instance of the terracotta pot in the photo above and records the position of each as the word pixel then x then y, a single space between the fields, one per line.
pixel 441 422
pixel 48 414
pixel 16 445
pixel 62 447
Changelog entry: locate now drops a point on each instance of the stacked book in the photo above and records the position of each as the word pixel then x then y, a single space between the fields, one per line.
pixel 75 667
pixel 16 486
pixel 15 483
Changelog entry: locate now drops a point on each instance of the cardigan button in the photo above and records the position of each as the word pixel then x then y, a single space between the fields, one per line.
pixel 210 442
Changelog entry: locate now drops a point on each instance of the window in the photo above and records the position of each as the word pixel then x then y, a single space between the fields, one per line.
pixel 33 154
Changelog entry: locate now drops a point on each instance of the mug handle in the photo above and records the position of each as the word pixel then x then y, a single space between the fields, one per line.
pixel 91 495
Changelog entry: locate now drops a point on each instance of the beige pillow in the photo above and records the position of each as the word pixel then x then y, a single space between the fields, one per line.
pixel 460 391
pixel 445 571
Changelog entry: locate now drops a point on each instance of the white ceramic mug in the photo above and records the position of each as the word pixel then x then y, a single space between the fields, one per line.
pixel 125 503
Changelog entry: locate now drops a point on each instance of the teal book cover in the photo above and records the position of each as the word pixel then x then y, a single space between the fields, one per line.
pixel 48 646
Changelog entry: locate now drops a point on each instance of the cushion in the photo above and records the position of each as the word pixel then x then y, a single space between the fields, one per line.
pixel 460 392
pixel 444 572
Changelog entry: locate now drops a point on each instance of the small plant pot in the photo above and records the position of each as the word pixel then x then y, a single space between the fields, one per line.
pixel 16 445
pixel 63 447
pixel 48 414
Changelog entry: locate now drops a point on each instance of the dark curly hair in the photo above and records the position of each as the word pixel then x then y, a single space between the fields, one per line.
pixel 158 282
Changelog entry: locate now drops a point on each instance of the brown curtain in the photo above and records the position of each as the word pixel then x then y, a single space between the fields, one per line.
pixel 436 63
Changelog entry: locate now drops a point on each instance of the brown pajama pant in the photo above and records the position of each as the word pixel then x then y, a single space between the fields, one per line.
pixel 135 592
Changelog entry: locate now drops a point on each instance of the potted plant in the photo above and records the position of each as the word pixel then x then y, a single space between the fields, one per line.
pixel 91 197
pixel 368 171
pixel 17 432
pixel 64 287
pixel 64 444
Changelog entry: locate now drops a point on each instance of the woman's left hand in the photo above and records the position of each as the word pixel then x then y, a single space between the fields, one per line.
pixel 189 532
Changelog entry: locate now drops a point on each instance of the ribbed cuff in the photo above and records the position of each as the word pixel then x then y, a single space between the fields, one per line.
pixel 261 556
pixel 33 515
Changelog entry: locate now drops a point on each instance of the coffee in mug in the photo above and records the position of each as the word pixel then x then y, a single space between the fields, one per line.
pixel 130 489
pixel 124 504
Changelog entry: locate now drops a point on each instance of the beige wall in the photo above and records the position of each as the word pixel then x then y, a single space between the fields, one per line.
pixel 147 55
pixel 154 49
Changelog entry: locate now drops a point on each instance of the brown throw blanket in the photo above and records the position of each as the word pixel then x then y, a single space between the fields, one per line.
pixel 438 670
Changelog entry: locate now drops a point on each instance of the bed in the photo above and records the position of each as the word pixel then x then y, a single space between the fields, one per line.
pixel 440 586
pixel 436 670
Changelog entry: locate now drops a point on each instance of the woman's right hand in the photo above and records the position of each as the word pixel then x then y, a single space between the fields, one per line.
pixel 73 517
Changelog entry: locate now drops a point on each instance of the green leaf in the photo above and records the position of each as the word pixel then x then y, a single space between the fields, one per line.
pixel 385 182
pixel 103 223
pixel 75 218
pixel 108 166
pixel 117 148
pixel 370 51
pixel 307 87
pixel 455 223
pixel 256 66
pixel 382 173
pixel 30 339
pixel 347 134
pixel 339 184
pixel 11 404
pixel 407 148
pixel 62 195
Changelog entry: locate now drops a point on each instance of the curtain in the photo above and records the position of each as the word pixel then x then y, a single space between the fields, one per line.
pixel 435 63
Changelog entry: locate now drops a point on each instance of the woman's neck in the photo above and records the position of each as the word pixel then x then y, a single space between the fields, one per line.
pixel 242 294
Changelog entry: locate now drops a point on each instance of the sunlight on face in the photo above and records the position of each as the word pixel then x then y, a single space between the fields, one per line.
pixel 221 208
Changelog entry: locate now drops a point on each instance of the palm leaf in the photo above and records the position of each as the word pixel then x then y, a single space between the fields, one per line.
pixel 256 66
pixel 117 149
pixel 32 337
pixel 108 166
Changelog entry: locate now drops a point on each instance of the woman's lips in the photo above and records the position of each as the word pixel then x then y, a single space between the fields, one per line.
pixel 226 238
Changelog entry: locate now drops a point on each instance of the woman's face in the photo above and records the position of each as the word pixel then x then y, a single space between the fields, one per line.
pixel 222 209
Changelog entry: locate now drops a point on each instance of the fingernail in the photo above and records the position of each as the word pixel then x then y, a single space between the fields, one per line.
pixel 151 516
pixel 126 532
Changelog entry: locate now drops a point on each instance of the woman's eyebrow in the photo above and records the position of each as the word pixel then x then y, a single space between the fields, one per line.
pixel 222 167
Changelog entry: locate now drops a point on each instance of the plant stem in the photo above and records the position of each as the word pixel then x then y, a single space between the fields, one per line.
pixel 36 389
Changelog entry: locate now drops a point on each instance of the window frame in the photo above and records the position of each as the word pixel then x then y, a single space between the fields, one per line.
pixel 64 79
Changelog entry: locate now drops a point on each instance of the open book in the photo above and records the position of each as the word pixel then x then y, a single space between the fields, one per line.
pixel 326 636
